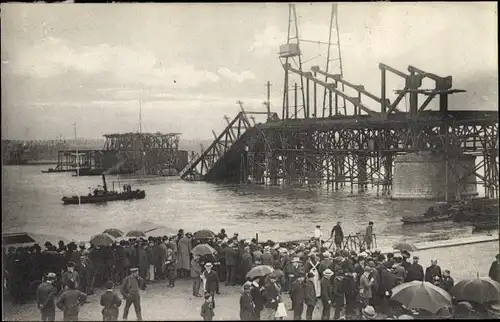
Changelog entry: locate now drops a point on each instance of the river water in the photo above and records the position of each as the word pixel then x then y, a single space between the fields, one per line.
pixel 31 202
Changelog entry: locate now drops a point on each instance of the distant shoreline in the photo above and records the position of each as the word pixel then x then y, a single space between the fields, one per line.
pixel 40 162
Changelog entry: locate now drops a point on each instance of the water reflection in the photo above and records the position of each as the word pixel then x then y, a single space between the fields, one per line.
pixel 31 202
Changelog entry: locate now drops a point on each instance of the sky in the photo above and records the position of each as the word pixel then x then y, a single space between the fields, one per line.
pixel 186 65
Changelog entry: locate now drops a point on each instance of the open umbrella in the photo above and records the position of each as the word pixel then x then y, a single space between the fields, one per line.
pixel 405 246
pixel 203 249
pixel 103 239
pixel 136 233
pixel 479 290
pixel 421 295
pixel 203 234
pixel 114 232
pixel 259 271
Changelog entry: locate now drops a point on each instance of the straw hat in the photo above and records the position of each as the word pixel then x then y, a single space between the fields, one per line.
pixel 208 265
pixel 327 272
pixel 369 312
pixel 406 317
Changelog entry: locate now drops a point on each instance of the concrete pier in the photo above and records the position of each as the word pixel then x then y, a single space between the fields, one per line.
pixel 425 175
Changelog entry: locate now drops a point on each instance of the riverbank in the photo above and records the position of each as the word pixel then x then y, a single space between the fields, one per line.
pixel 162 303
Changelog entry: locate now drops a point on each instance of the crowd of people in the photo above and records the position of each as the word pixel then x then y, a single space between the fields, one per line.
pixel 354 284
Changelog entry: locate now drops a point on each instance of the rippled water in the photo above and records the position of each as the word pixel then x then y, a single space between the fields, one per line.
pixel 31 201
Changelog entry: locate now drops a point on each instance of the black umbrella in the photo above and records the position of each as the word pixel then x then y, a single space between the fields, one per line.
pixel 204 234
pixel 480 290
pixel 203 249
pixel 114 232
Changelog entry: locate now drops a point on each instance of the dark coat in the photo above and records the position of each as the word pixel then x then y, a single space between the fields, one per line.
pixel 415 273
pixel 257 298
pixel 387 281
pixel 267 259
pixel 431 272
pixel 339 233
pixel 339 289
pixel 309 293
pixel 494 272
pixel 111 302
pixel 447 284
pixel 212 281
pixel 271 296
pixel 326 290
pixel 69 302
pixel 45 295
pixel 246 263
pixel 231 256
pixel 247 308
pixel 142 256
pixel 70 276
pixel 297 294
pixel 207 310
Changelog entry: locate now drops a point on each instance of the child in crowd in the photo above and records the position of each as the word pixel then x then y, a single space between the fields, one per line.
pixel 207 309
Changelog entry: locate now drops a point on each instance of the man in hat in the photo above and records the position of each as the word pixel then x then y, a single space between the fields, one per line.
pixel 366 282
pixel 326 293
pixel 369 313
pixel 111 302
pixel 271 296
pixel 210 281
pixel 196 271
pixel 297 295
pixel 267 257
pixel 247 306
pixel 130 291
pixel 338 235
pixel 183 257
pixel 310 295
pixel 45 295
pixel 85 272
pixel 170 265
pixel 369 235
pixel 293 270
pixel 70 301
pixel 246 262
pixel 433 271
pixel 415 271
pixel 339 291
pixel 447 282
pixel 231 258
pixel 70 276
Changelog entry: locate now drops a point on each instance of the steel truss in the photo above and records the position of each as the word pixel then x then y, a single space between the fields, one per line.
pixel 144 151
pixel 359 156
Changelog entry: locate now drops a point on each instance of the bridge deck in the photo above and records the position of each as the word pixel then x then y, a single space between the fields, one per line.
pixel 397 120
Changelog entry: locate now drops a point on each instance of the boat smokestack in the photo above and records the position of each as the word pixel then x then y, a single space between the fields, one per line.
pixel 104 183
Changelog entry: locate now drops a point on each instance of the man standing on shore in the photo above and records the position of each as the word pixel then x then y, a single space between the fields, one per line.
pixel 70 301
pixel 195 274
pixel 369 235
pixel 339 235
pixel 318 234
pixel 45 295
pixel 130 292
pixel 111 302
pixel 210 281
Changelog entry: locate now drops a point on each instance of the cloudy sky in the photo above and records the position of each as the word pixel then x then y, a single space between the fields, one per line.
pixel 190 63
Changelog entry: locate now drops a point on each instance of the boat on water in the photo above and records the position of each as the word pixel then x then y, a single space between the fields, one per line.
pixel 485 225
pixel 103 195
pixel 52 170
pixel 408 220
pixel 89 172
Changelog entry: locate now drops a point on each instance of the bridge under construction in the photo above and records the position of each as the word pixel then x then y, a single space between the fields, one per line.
pixel 327 136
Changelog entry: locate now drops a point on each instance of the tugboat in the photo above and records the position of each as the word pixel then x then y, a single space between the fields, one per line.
pixel 100 196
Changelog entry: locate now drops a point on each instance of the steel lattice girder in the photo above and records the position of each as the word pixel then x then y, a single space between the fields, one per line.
pixel 322 146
